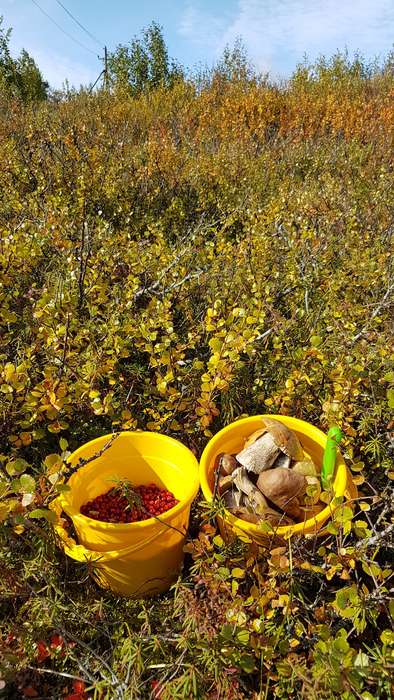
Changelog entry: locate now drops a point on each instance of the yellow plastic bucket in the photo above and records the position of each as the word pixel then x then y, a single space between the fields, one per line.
pixel 134 559
pixel 231 439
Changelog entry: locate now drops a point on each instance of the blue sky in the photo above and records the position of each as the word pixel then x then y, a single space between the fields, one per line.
pixel 277 33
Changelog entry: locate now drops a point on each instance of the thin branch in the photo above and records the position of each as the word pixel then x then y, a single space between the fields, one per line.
pixel 82 462
pixel 375 312
pixel 65 343
pixel 55 673
pixel 375 539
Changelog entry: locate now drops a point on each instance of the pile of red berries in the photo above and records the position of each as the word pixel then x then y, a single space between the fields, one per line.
pixel 130 505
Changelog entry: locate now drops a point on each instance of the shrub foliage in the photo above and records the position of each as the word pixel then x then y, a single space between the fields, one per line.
pixel 172 261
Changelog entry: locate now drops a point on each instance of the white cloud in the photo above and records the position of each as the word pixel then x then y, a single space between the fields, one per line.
pixel 277 33
pixel 202 28
pixel 56 68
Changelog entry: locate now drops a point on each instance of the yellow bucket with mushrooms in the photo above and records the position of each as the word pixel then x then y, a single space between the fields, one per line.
pixel 266 470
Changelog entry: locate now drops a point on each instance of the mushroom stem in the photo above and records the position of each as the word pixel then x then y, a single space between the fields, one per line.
pixel 260 455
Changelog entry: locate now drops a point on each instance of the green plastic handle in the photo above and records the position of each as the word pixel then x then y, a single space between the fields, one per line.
pixel 334 437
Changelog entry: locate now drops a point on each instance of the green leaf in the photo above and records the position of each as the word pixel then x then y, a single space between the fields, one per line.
pixel 247 663
pixel 361 660
pixel 387 637
pixel 43 513
pixel 342 598
pixel 218 541
pixel 390 398
pixel 27 484
pixel 16 466
pixel 215 344
pixel 340 644
pixel 63 444
pixel 237 572
pixel 389 377
pixel 63 488
pixel 316 340
pixel 243 636
pixel 227 632
pixel 51 460
pixel 223 572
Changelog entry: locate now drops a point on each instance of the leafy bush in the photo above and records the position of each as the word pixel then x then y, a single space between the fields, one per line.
pixel 171 262
pixel 19 77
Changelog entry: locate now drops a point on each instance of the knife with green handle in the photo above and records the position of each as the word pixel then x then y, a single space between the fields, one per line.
pixel 334 437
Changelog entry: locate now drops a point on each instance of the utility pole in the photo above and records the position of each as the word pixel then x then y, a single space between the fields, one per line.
pixel 105 77
pixel 103 73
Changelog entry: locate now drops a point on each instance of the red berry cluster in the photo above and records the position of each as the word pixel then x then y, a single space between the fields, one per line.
pixel 141 503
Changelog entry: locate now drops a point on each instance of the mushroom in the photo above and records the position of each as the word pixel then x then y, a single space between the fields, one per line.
pixel 276 519
pixel 232 499
pixel 245 514
pixel 225 483
pixel 285 438
pixel 260 454
pixel 227 463
pixel 283 487
pixel 255 498
pixel 266 445
pixel 246 511
pixel 282 461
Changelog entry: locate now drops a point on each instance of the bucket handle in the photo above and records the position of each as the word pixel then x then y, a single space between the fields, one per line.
pixel 80 553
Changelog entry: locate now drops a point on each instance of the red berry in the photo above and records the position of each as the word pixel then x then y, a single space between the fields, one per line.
pixel 113 507
pixel 79 686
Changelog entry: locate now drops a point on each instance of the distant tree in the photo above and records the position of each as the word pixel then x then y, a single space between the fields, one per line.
pixel 19 77
pixel 143 64
pixel 235 64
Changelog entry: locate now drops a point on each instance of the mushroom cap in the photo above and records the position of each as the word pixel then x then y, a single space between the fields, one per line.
pixel 283 487
pixel 254 436
pixel 227 463
pixel 284 438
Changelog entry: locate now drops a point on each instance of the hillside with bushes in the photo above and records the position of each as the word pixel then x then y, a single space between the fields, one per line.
pixel 172 258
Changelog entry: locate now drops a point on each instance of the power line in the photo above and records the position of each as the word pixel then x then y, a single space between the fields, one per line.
pixel 100 43
pixel 61 28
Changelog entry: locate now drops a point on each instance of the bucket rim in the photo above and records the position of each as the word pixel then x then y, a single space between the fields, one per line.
pixel 75 514
pixel 307 526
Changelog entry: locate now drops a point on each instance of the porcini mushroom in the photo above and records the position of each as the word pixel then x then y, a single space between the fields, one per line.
pixel 225 483
pixel 255 498
pixel 265 446
pixel 227 463
pixel 285 438
pixel 284 488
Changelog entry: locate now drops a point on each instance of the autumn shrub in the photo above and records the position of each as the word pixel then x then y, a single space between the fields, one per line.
pixel 172 262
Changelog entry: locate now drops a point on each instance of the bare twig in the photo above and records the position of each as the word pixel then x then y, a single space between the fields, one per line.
pixel 375 539
pixel 65 343
pixel 82 462
pixel 55 673
pixel 85 251
pixel 375 312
